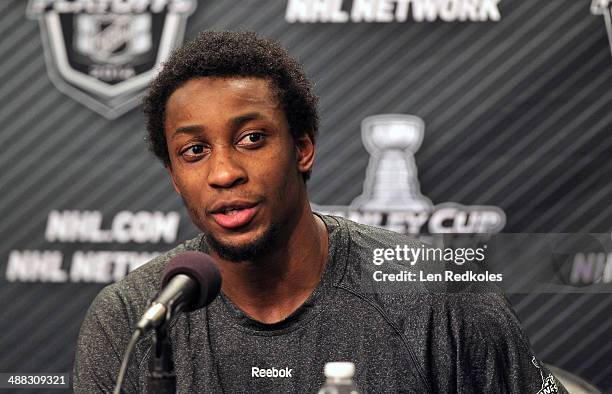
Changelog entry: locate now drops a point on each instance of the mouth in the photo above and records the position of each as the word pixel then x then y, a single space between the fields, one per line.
pixel 234 214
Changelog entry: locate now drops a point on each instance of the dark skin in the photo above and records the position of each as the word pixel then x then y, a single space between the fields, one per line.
pixel 230 145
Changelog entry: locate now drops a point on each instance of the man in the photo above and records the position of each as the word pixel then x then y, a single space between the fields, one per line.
pixel 234 120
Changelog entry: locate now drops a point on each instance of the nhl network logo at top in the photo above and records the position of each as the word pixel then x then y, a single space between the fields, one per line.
pixel 103 53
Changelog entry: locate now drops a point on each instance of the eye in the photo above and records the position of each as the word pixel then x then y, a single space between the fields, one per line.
pixel 193 152
pixel 251 139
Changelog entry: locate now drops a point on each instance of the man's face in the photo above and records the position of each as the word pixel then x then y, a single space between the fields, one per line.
pixel 235 163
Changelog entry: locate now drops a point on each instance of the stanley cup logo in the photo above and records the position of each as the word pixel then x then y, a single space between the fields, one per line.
pixel 604 7
pixel 391 180
pixel 391 196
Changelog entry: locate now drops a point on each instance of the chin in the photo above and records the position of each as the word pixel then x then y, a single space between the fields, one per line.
pixel 248 250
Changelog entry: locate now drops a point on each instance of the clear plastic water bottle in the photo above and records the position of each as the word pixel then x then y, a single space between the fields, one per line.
pixel 339 379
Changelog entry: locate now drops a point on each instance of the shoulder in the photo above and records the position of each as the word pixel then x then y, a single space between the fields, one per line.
pixel 130 295
pixel 477 339
pixel 109 323
pixel 362 243
pixel 416 306
pixel 369 237
pixel 472 334
pixel 360 249
pixel 485 313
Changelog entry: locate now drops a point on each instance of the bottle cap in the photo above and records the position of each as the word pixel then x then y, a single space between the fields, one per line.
pixel 339 370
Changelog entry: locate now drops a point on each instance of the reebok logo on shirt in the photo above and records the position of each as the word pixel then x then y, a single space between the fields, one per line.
pixel 271 372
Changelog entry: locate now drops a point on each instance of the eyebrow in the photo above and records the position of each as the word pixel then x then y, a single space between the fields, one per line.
pixel 242 119
pixel 236 122
pixel 191 129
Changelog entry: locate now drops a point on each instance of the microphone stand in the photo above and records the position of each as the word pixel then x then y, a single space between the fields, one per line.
pixel 161 378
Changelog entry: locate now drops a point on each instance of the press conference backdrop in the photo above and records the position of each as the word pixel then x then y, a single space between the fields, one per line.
pixel 502 107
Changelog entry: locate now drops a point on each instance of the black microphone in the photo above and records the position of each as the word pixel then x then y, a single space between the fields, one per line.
pixel 190 281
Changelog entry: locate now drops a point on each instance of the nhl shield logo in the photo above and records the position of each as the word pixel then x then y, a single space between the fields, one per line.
pixel 104 53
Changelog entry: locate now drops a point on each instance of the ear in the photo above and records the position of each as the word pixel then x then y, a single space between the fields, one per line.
pixel 305 152
pixel 169 169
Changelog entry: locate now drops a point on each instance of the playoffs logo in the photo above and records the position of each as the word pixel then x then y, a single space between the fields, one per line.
pixel 604 7
pixel 391 195
pixel 103 53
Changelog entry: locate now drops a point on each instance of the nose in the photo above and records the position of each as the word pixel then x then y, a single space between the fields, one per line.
pixel 225 170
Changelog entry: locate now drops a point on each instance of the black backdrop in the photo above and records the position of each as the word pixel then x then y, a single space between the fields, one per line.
pixel 516 115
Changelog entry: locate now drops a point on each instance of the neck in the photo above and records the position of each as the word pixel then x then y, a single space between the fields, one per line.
pixel 270 289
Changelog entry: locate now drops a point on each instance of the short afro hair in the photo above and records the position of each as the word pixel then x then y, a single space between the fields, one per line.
pixel 232 54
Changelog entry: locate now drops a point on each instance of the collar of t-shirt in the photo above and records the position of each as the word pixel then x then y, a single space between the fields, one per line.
pixel 335 268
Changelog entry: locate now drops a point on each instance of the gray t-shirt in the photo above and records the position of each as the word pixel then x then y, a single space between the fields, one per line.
pixel 411 340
